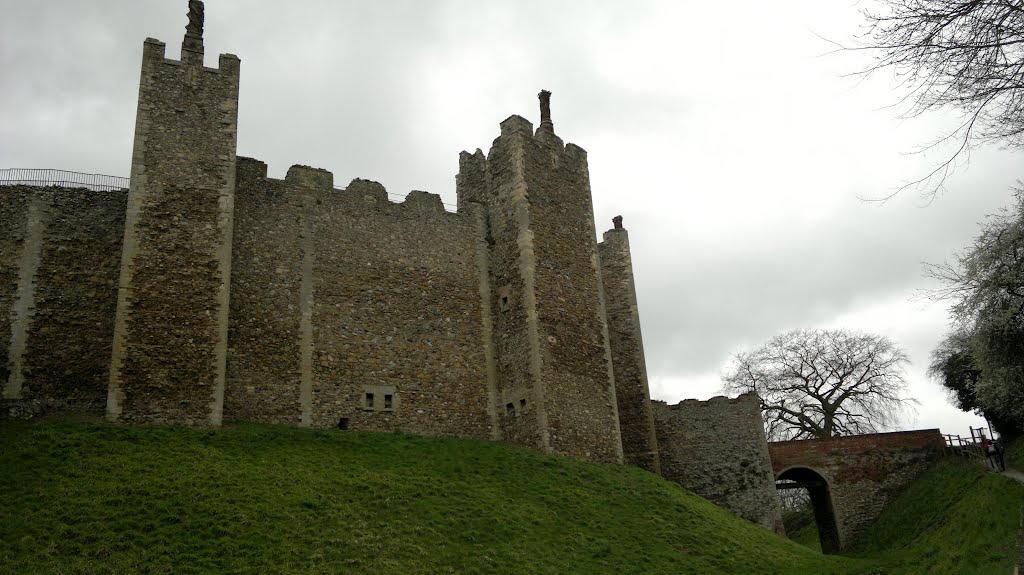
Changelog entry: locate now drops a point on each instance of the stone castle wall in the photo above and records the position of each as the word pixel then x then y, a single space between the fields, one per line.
pixel 717 449
pixel 582 413
pixel 496 183
pixel 340 295
pixel 59 265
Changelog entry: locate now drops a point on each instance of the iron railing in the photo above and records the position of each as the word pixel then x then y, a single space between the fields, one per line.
pixel 62 178
pixel 97 182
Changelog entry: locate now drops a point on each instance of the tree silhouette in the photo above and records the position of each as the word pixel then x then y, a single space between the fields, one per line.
pixel 823 383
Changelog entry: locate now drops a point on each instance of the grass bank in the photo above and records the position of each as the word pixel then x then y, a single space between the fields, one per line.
pixel 94 498
pixel 956 519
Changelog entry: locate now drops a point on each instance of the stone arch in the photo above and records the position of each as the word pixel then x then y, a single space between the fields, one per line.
pixel 821 501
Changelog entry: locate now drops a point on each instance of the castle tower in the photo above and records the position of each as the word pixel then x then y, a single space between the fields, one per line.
pixel 639 442
pixel 555 388
pixel 170 328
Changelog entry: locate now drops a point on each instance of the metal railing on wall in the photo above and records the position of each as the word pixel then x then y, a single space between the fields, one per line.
pixel 62 178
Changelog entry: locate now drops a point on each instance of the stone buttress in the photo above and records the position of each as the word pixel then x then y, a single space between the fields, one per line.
pixel 170 327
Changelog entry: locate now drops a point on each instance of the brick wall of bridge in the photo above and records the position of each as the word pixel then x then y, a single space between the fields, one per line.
pixel 863 471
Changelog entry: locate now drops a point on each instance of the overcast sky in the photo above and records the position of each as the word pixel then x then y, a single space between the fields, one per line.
pixel 736 151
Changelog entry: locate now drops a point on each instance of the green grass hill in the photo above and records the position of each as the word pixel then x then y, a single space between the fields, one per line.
pixel 96 498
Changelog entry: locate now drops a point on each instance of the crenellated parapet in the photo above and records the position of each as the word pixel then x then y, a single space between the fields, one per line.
pixel 358 195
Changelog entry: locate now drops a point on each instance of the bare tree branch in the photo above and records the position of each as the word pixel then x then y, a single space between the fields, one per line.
pixel 960 55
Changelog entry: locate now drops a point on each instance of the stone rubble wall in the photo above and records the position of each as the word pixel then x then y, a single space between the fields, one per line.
pixel 264 360
pixel 14 211
pixel 59 263
pixel 341 293
pixel 717 449
pixel 863 472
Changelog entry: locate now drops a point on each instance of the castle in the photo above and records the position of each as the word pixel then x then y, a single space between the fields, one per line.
pixel 208 292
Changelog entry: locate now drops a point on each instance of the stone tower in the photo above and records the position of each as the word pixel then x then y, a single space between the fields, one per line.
pixel 639 443
pixel 170 328
pixel 554 384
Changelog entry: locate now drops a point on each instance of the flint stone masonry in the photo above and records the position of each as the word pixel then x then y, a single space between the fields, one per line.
pixel 378 294
pixel 287 301
pixel 863 472
pixel 553 359
pixel 170 335
pixel 59 262
pixel 718 450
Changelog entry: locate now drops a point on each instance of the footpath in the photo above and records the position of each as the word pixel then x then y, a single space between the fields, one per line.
pixel 1013 474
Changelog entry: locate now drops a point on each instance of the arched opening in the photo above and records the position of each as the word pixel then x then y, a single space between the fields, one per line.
pixel 820 500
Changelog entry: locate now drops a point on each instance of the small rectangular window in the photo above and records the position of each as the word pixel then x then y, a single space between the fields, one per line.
pixel 510 409
pixel 381 398
pixel 522 404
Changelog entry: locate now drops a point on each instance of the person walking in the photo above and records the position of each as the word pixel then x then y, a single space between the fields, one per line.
pixel 996 456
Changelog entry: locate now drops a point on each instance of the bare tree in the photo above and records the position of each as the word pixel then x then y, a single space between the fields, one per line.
pixel 823 383
pixel 963 55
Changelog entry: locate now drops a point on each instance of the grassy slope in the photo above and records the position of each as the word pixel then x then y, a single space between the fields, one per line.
pixel 88 498
pixel 956 519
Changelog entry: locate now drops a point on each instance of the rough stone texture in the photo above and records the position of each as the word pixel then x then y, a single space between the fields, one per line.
pixel 553 360
pixel 518 394
pixel 13 224
pixel 69 294
pixel 264 356
pixel 717 449
pixel 340 293
pixel 15 288
pixel 636 421
pixel 863 472
pixel 170 338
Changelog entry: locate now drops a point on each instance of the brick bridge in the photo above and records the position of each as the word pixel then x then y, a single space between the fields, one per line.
pixel 850 479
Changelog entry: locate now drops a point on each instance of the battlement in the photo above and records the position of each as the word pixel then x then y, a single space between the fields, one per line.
pixel 713 402
pixel 516 125
pixel 361 194
pixel 154 50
